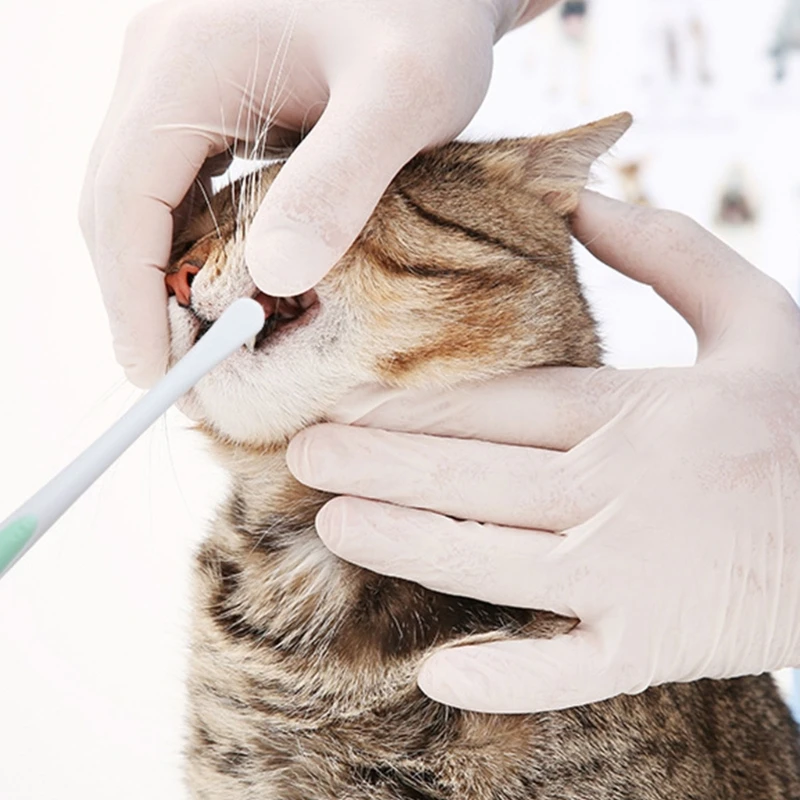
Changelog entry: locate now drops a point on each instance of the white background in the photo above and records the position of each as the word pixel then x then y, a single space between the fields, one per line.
pixel 93 622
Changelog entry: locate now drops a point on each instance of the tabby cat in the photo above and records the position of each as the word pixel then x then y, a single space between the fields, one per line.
pixel 303 666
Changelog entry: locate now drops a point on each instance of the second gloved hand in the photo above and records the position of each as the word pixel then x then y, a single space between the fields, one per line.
pixel 659 507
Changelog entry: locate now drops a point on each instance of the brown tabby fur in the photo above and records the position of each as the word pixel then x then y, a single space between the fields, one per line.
pixel 303 666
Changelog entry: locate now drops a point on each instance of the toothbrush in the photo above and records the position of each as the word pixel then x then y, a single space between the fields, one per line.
pixel 242 320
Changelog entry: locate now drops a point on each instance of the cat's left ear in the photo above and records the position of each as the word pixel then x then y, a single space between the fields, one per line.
pixel 557 167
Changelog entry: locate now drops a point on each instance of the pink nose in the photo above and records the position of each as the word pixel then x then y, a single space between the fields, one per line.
pixel 180 283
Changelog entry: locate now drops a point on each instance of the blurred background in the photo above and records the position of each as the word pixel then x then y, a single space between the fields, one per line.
pixel 93 629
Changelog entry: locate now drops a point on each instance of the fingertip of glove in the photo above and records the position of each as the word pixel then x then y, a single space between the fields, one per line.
pixel 284 263
pixel 297 456
pixel 595 209
pixel 451 677
pixel 330 522
pixel 494 678
pixel 143 373
pixel 591 202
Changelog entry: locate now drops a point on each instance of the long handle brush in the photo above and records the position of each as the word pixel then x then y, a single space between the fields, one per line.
pixel 241 321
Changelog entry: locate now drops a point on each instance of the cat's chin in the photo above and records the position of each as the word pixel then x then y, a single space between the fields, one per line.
pixel 288 377
pixel 262 398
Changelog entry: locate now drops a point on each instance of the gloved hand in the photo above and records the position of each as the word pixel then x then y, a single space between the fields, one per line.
pixel 378 80
pixel 660 507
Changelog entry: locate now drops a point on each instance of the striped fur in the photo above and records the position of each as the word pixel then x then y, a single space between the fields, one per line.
pixel 303 668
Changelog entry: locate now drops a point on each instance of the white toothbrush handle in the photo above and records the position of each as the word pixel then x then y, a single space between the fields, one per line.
pixel 242 320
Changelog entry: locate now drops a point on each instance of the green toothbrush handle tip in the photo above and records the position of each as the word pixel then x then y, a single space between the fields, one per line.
pixel 14 538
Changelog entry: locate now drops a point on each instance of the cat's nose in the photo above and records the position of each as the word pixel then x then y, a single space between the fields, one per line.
pixel 180 283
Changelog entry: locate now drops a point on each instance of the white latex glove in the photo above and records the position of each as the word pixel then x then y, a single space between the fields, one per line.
pixel 378 80
pixel 675 493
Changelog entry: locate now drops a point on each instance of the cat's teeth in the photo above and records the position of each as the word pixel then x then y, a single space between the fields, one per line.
pixel 250 344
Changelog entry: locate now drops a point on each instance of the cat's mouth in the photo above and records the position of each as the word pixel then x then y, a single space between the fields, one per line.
pixel 282 314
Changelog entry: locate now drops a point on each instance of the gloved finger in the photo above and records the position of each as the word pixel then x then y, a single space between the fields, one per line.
pixel 526 676
pixel 505 566
pixel 130 201
pixel 326 191
pixel 719 293
pixel 276 142
pixel 142 40
pixel 550 407
pixel 476 480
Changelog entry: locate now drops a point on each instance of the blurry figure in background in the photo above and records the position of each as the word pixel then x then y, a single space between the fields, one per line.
pixel 629 174
pixel 683 33
pixel 787 38
pixel 573 18
pixel 571 55
pixel 736 213
pixel 735 207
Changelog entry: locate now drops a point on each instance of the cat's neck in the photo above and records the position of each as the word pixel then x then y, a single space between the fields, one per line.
pixel 263 490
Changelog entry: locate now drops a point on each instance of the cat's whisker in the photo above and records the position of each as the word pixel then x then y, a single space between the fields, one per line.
pixel 312 77
pixel 593 239
pixel 243 112
pixel 210 208
pixel 171 457
pixel 237 134
pixel 277 78
pixel 261 147
pixel 324 90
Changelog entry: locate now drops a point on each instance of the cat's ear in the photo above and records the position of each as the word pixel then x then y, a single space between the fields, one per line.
pixel 557 167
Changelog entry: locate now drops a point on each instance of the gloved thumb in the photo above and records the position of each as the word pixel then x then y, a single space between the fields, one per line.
pixel 326 191
pixel 525 676
pixel 721 295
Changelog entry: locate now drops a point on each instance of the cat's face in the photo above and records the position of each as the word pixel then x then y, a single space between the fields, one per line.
pixel 464 271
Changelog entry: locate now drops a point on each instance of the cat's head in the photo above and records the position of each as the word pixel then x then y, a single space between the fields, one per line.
pixel 463 272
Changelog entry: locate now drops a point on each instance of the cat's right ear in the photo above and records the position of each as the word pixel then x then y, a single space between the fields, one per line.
pixel 557 167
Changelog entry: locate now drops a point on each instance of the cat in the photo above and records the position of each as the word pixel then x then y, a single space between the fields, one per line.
pixel 302 676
